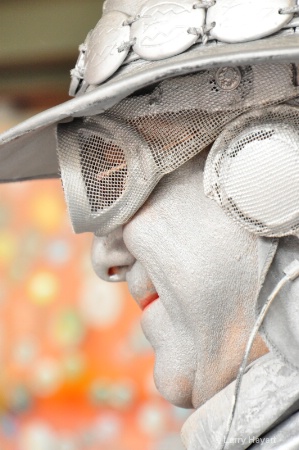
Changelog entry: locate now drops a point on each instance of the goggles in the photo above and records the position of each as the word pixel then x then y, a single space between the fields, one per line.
pixel 252 171
pixel 111 162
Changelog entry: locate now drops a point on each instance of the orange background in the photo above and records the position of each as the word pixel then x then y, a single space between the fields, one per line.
pixel 76 370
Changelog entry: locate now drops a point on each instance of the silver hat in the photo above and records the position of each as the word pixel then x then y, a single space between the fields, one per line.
pixel 140 42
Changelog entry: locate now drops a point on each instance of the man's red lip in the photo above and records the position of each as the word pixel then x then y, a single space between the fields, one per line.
pixel 148 300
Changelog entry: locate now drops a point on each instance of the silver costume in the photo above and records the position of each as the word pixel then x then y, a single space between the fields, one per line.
pixel 187 114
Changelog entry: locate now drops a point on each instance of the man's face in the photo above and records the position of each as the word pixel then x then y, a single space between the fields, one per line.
pixel 193 271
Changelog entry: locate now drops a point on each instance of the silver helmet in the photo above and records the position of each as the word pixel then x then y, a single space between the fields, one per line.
pixel 140 42
pixel 233 56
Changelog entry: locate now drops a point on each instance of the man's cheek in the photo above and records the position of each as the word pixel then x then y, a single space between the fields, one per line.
pixel 175 355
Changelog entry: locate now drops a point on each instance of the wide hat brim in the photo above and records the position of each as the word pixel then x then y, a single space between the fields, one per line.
pixel 28 151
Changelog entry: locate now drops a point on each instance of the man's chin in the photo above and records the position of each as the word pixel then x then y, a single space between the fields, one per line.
pixel 173 386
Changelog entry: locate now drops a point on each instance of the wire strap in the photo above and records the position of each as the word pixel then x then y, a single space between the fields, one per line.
pixel 126 45
pixel 292 10
pixel 204 4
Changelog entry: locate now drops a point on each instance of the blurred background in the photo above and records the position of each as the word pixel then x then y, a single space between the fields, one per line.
pixel 75 369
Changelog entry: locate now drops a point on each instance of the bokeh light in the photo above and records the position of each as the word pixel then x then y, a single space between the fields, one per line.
pixel 76 370
pixel 76 367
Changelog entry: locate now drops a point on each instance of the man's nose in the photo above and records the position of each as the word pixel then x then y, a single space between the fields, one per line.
pixel 110 257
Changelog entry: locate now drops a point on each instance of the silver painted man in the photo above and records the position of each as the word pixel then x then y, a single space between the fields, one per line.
pixel 181 153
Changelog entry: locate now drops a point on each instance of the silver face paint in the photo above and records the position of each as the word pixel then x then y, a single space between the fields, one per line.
pixel 203 269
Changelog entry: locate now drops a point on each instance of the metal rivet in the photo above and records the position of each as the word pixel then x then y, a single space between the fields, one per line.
pixel 228 78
